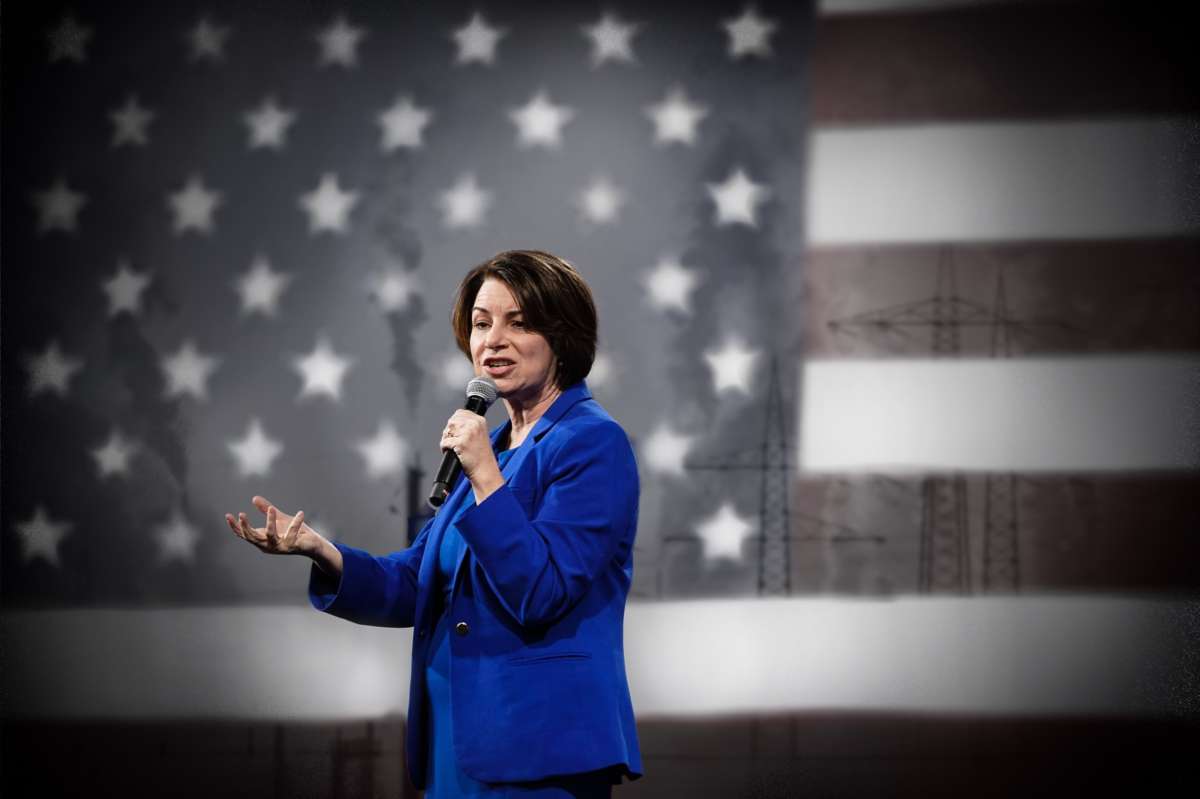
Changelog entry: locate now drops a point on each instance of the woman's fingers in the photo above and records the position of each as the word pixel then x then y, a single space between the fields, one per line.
pixel 244 527
pixel 236 525
pixel 272 535
pixel 248 532
pixel 293 531
pixel 268 538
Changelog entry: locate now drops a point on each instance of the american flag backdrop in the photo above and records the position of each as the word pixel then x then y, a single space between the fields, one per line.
pixel 235 231
pixel 898 303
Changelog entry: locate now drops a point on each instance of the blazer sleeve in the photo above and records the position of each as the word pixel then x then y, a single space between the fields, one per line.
pixel 377 591
pixel 540 567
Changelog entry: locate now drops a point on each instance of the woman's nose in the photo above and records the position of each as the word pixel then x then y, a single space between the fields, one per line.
pixel 494 337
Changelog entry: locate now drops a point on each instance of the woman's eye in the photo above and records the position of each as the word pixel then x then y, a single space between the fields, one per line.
pixel 518 323
pixel 480 325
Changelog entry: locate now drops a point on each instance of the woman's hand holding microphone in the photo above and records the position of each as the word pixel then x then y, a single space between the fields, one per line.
pixel 466 433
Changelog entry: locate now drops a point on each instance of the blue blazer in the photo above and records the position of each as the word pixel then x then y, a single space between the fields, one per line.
pixel 537 605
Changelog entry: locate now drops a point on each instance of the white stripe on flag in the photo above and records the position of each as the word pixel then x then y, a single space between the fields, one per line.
pixel 1057 655
pixel 1003 181
pixel 1030 414
pixel 834 7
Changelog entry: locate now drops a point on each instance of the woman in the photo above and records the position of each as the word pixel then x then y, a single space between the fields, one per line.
pixel 516 588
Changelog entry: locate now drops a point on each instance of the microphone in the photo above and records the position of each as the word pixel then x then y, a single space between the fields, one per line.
pixel 481 393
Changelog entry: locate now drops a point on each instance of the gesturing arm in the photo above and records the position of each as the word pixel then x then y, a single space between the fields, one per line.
pixel 540 567
pixel 343 581
pixel 378 591
pixel 326 556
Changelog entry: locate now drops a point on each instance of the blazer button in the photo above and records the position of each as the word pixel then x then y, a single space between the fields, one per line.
pixel 461 628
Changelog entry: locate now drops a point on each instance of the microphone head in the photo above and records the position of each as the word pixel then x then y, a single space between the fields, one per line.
pixel 484 388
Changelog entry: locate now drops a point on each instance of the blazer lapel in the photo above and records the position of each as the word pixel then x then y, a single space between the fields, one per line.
pixel 429 559
pixel 556 411
pixel 463 485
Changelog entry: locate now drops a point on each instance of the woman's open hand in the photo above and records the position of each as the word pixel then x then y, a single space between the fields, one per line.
pixel 282 535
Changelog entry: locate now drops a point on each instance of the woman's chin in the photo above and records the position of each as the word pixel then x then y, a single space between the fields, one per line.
pixel 516 391
pixel 505 386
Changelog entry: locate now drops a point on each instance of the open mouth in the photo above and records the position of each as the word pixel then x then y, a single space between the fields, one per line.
pixel 498 366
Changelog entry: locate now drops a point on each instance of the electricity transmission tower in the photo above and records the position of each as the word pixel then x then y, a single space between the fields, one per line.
pixel 945 552
pixel 769 458
pixel 1001 551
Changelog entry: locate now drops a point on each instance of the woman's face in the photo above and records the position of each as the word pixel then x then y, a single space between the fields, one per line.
pixel 519 360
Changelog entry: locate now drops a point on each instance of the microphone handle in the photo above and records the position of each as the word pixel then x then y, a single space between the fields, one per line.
pixel 451 467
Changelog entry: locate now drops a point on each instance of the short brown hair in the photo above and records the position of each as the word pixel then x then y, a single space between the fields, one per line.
pixel 553 298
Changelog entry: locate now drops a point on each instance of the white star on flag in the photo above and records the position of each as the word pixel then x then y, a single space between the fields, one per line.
pixel 600 202
pixel 322 370
pixel 539 122
pixel 193 206
pixel 464 205
pixel 385 452
pixel 664 451
pixel 40 536
pixel 51 371
pixel 675 118
pixel 188 370
pixel 722 533
pixel 255 451
pixel 611 40
pixel 339 43
pixel 477 41
pixel 268 125
pixel 402 124
pixel 125 289
pixel 731 366
pixel 670 285
pixel 176 539
pixel 260 287
pixel 113 457
pixel 208 41
pixel 748 34
pixel 328 207
pixel 58 207
pixel 456 372
pixel 69 41
pixel 393 289
pixel 129 123
pixel 737 199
